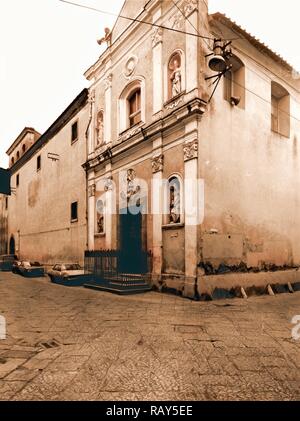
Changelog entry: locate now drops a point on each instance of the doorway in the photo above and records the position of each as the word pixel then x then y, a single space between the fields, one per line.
pixel 133 256
pixel 12 245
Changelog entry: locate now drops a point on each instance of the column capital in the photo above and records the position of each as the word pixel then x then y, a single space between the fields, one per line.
pixel 92 190
pixel 108 81
pixel 189 6
pixel 108 184
pixel 190 150
pixel 157 36
pixel 157 163
pixel 91 98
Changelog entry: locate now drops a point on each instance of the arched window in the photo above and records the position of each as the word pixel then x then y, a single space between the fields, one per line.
pixel 175 80
pixel 18 155
pixel 174 200
pixel 100 128
pixel 132 104
pixel 280 112
pixel 134 107
pixel 12 161
pixel 24 148
pixel 234 83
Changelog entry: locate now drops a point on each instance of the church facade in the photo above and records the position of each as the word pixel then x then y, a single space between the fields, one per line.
pixel 215 176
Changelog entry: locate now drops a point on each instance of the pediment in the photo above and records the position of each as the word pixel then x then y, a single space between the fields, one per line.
pixel 131 9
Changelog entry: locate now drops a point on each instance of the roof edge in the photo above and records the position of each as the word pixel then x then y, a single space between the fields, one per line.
pixel 221 17
pixel 20 137
pixel 76 105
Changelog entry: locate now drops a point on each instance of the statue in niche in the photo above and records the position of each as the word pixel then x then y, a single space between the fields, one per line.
pixel 174 216
pixel 100 217
pixel 132 187
pixel 175 75
pixel 100 128
pixel 100 224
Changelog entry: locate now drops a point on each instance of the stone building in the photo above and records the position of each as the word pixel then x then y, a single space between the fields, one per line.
pixel 233 158
pixel 47 208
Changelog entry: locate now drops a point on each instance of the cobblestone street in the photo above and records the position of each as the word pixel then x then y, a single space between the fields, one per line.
pixel 78 344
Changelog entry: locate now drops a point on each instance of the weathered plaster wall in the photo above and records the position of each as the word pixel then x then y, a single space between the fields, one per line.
pixel 251 174
pixel 40 211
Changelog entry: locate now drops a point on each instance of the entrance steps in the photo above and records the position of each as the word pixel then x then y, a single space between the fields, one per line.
pixel 118 288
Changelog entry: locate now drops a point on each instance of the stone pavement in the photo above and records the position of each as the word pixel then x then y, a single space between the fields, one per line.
pixel 78 344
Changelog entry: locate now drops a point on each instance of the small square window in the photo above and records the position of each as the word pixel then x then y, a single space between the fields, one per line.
pixel 74 211
pixel 18 180
pixel 38 163
pixel 74 132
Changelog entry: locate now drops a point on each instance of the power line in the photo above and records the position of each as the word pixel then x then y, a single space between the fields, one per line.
pixel 174 30
pixel 262 65
pixel 260 97
pixel 136 20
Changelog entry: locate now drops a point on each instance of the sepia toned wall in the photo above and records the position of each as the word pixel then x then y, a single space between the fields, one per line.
pixel 40 209
pixel 251 173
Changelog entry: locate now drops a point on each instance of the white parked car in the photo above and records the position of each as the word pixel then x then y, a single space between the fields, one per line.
pixel 65 272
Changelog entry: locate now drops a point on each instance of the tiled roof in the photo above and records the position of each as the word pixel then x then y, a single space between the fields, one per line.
pixel 220 17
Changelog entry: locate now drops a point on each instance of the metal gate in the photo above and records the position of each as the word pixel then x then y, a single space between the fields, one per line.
pixel 128 266
pixel 106 268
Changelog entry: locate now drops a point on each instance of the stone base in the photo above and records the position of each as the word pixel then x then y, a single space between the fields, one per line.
pixel 227 285
pixel 168 283
pixel 208 284
pixel 176 284
pixel 190 287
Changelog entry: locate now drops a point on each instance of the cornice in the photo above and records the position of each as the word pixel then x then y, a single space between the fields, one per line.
pixel 195 107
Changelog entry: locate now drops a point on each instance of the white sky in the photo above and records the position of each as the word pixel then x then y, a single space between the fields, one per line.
pixel 46 46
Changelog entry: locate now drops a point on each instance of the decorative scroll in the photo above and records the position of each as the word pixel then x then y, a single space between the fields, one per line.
pixel 190 150
pixel 92 190
pixel 157 163
pixel 157 36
